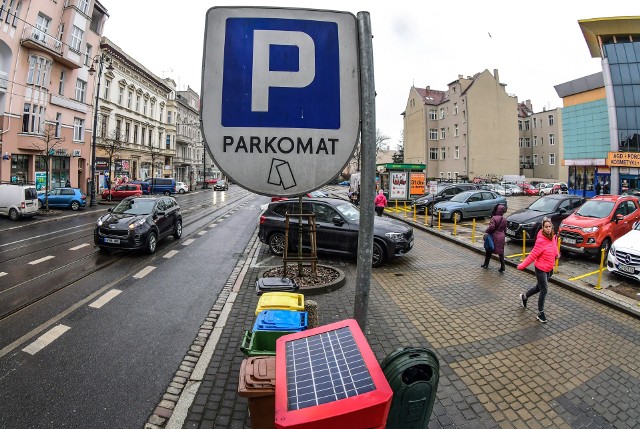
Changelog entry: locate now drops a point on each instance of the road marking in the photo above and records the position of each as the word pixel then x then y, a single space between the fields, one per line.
pixel 49 233
pixel 37 261
pixel 170 254
pixel 3 274
pixel 212 225
pixel 143 272
pixel 202 232
pixel 586 275
pixel 80 246
pixel 188 242
pixel 45 339
pixel 98 303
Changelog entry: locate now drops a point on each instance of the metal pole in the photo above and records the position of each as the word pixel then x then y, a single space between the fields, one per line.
pixel 93 201
pixel 367 186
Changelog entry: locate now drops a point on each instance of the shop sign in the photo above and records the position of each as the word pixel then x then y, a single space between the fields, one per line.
pixel 583 162
pixel 623 159
pixel 417 184
pixel 398 186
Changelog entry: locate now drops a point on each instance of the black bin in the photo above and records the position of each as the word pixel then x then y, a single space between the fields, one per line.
pixel 275 284
pixel 412 373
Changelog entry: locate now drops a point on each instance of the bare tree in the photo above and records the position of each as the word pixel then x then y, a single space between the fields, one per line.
pixel 50 141
pixel 398 156
pixel 112 145
pixel 155 153
pixel 356 159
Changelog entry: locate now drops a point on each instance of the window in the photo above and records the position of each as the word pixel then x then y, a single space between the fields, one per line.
pixel 42 27
pixel 104 128
pixel 107 87
pixel 534 122
pixel 61 84
pixel 144 108
pixel 118 129
pixel 127 131
pixel 526 125
pixel 81 89
pixel 433 114
pixel 12 14
pixel 153 108
pixel 455 108
pixel 137 102
pixel 552 159
pixel 521 142
pixel 38 71
pixel 143 135
pixel 456 153
pixel 443 153
pixel 541 159
pixel 135 133
pixel 551 121
pixel 78 125
pixel 442 133
pixel 552 139
pixel 58 124
pixel 456 132
pixel 433 153
pixel 159 137
pixel 520 124
pixel 535 159
pixel 169 117
pixel 433 134
pixel 442 113
pixel 83 5
pixel 76 38
pixel 541 140
pixel 120 95
pixel 535 141
pixel 88 56
pixel 527 142
pixel 453 89
pixel 129 98
pixel 32 118
pixel 168 141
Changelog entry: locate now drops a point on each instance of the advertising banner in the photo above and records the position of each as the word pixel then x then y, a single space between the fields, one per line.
pixel 398 186
pixel 417 184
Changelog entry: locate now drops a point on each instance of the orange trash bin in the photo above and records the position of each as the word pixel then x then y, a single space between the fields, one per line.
pixel 258 384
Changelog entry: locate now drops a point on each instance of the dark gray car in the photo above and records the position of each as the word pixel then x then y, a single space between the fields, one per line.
pixel 556 207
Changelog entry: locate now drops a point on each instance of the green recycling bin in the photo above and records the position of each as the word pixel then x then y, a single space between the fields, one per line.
pixel 413 375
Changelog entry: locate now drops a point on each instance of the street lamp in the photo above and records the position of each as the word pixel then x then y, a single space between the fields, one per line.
pixel 100 60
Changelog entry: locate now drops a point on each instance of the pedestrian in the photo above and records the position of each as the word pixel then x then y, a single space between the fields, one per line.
pixel 543 255
pixel 496 228
pixel 380 202
pixel 67 184
pixel 598 188
pixel 605 188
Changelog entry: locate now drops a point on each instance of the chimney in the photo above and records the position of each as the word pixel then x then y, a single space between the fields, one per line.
pixel 460 76
pixel 496 75
pixel 428 88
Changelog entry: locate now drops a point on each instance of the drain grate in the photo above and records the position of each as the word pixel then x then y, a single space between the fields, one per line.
pixel 398 274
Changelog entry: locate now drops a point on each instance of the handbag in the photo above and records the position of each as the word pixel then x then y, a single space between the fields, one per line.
pixel 488 243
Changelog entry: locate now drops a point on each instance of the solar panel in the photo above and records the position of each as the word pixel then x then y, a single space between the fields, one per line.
pixel 325 368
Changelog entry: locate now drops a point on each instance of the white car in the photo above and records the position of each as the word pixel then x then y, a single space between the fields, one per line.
pixel 624 254
pixel 181 187
pixel 546 188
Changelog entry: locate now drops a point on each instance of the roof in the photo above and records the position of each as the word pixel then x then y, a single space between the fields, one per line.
pixel 583 84
pixel 430 96
pixel 595 28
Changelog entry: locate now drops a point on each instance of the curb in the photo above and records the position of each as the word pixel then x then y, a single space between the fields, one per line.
pixel 586 292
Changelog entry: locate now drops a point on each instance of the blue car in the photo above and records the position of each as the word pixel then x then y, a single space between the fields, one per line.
pixel 469 204
pixel 72 198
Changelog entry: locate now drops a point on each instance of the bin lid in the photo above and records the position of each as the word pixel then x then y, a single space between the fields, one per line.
pixel 280 301
pixel 257 376
pixel 281 320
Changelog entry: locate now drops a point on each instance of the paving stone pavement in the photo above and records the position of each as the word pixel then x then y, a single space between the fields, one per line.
pixel 499 367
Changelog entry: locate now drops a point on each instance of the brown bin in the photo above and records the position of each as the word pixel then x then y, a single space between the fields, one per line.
pixel 258 383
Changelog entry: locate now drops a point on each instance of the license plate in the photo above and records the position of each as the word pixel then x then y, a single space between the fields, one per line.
pixel 569 241
pixel 112 240
pixel 627 269
pixel 510 232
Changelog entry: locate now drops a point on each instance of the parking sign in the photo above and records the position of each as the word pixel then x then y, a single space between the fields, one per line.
pixel 280 96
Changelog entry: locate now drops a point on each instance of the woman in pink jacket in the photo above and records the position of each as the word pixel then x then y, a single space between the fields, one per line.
pixel 380 202
pixel 543 255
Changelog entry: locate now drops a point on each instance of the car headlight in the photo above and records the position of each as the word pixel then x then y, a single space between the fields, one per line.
pixel 612 250
pixel 136 224
pixel 590 229
pixel 99 222
pixel 562 225
pixel 528 225
pixel 396 236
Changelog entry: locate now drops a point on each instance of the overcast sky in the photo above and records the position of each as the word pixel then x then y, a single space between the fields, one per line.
pixel 534 45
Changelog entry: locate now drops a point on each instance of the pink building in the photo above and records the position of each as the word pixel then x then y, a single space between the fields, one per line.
pixel 46 92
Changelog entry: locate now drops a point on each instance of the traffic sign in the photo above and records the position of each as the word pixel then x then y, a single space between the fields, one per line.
pixel 280 105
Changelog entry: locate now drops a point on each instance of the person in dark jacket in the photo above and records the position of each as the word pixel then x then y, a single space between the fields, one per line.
pixel 496 228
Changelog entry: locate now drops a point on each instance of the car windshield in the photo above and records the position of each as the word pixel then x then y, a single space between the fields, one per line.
pixel 598 209
pixel 461 197
pixel 349 211
pixel 135 207
pixel 545 205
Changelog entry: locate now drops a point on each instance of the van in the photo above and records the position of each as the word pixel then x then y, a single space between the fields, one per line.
pixel 162 185
pixel 18 200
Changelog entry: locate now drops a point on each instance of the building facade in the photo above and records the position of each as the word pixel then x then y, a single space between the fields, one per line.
pixel 46 49
pixel 136 115
pixel 469 131
pixel 540 143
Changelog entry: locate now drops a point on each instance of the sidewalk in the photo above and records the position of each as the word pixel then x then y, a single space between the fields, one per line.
pixel 499 367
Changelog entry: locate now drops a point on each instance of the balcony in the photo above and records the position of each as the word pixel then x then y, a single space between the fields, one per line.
pixel 37 39
pixel 3 82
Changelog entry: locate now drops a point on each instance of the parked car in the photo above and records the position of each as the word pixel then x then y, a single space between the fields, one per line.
pixel 530 190
pixel 555 207
pixel 470 204
pixel 545 188
pixel 312 194
pixel 501 190
pixel 18 200
pixel 515 189
pixel 138 223
pixel 121 192
pixel 633 192
pixel 162 185
pixel 72 198
pixel 624 254
pixel 182 187
pixel 221 185
pixel 337 226
pixel 144 185
pixel 598 223
pixel 444 192
pixel 560 188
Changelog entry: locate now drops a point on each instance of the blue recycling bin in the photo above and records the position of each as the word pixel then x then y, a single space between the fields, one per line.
pixel 281 320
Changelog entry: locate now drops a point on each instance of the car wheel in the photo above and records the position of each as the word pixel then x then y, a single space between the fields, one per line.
pixel 13 214
pixel 167 193
pixel 75 205
pixel 456 216
pixel 177 231
pixel 378 255
pixel 152 242
pixel 40 205
pixel 429 209
pixel 181 191
pixel 276 243
pixel 606 244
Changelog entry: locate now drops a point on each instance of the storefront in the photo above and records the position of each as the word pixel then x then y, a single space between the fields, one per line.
pixel 584 175
pixel 401 182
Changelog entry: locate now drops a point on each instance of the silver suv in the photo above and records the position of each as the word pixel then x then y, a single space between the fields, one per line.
pixel 444 192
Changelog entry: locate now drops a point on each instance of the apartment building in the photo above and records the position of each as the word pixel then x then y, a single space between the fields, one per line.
pixel 540 143
pixel 136 110
pixel 468 131
pixel 46 49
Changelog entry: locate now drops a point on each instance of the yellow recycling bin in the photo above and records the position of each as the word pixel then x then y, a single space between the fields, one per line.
pixel 280 301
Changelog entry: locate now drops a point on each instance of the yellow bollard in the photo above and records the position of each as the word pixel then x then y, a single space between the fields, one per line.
pixel 555 269
pixel 524 245
pixel 598 287
pixel 426 214
pixel 455 225
pixel 415 213
pixel 473 231
pixel 439 221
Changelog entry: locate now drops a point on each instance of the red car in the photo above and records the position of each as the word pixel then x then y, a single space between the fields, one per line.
pixel 529 189
pixel 121 192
